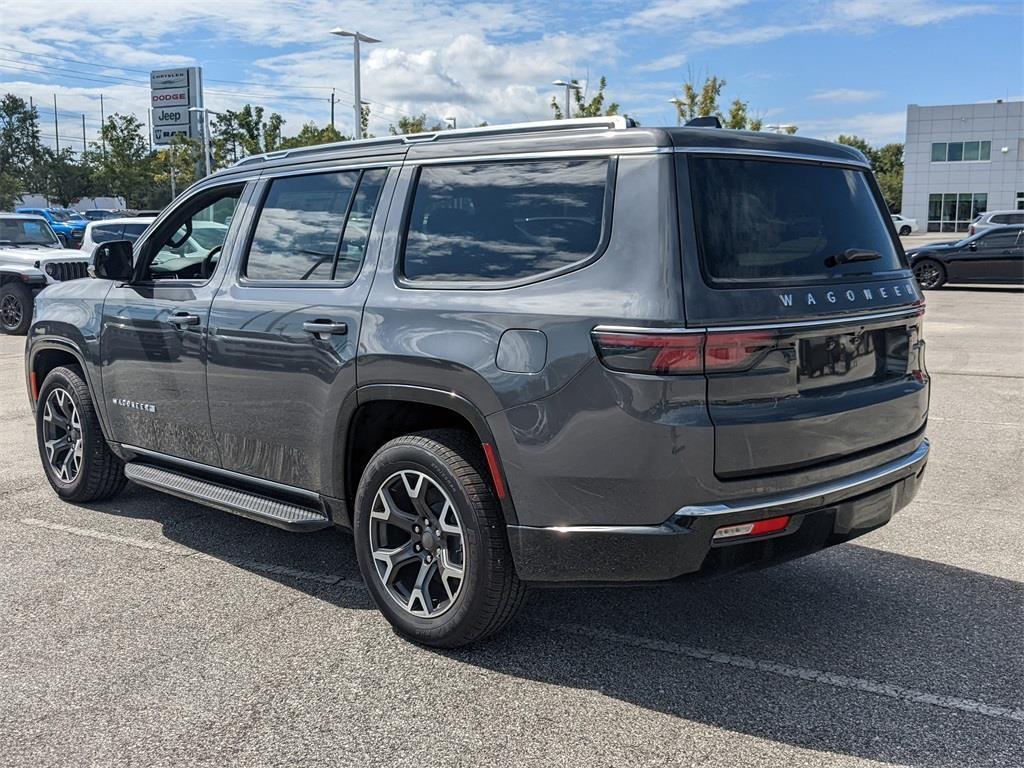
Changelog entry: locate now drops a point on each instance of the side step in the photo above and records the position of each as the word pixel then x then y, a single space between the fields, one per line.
pixel 254 506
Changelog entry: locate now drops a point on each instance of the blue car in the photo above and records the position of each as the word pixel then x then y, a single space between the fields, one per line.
pixel 67 224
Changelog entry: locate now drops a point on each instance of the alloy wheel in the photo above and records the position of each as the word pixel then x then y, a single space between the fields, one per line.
pixel 11 312
pixel 62 435
pixel 927 274
pixel 417 543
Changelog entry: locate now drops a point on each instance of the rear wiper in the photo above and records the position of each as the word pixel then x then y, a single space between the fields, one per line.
pixel 852 254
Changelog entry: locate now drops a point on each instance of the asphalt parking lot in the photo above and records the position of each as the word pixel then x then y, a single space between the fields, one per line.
pixel 149 631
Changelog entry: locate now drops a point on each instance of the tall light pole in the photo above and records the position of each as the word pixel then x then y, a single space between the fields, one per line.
pixel 206 133
pixel 569 86
pixel 356 96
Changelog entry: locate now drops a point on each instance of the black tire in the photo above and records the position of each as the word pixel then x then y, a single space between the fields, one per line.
pixel 490 594
pixel 100 474
pixel 905 230
pixel 929 273
pixel 15 309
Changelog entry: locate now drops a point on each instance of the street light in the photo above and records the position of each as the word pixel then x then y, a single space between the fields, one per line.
pixel 356 98
pixel 453 121
pixel 206 133
pixel 679 109
pixel 569 86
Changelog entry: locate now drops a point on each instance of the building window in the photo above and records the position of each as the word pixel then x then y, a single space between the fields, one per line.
pixel 954 211
pixel 1020 201
pixel 961 151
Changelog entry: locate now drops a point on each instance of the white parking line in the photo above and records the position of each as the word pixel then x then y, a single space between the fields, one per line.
pixel 807 674
pixel 799 673
pixel 180 551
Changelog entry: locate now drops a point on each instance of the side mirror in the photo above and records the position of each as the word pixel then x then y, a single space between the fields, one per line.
pixel 63 239
pixel 112 261
pixel 973 246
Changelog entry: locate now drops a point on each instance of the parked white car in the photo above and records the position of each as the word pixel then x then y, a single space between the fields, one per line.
pixel 904 226
pixel 991 219
pixel 106 230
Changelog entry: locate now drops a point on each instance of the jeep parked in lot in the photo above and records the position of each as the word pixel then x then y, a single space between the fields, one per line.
pixel 553 353
pixel 31 257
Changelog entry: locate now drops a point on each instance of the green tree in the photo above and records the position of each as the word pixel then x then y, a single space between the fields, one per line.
pixel 244 132
pixel 20 149
pixel 887 165
pixel 703 100
pixel 582 107
pixel 417 124
pixel 181 158
pixel 127 168
pixel 311 135
pixel 65 179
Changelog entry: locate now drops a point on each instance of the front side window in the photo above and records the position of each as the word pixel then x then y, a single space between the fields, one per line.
pixel 299 229
pixel 504 221
pixel 763 220
pixel 176 252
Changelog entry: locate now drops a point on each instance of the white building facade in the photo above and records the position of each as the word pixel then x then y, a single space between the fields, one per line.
pixel 961 160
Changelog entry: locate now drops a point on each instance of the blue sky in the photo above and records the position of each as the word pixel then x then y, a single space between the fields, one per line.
pixel 828 66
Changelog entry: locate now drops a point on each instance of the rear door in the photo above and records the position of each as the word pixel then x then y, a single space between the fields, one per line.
pixel 285 327
pixel 998 257
pixel 813 350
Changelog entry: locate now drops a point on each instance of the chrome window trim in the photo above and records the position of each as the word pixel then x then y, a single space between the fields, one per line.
pixel 225 473
pixel 755 153
pixel 838 320
pixel 270 174
pixel 544 155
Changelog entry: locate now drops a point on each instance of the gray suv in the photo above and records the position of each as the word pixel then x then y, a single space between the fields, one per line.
pixel 552 353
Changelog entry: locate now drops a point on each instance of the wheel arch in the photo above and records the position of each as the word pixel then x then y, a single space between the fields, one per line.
pixel 44 355
pixel 381 412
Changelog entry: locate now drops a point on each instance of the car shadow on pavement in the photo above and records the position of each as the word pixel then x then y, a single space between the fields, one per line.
pixel 854 611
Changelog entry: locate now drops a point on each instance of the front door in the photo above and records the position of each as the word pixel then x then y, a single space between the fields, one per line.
pixel 284 329
pixel 153 336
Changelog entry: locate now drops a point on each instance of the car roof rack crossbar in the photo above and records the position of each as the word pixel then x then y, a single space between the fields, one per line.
pixel 611 122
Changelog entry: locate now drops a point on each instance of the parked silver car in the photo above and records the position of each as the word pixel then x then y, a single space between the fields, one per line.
pixel 991 219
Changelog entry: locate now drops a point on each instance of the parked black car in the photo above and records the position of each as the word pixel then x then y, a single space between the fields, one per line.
pixel 553 353
pixel 993 256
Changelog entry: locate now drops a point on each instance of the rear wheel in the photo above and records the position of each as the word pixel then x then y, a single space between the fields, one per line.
pixel 905 230
pixel 15 309
pixel 929 273
pixel 431 541
pixel 78 462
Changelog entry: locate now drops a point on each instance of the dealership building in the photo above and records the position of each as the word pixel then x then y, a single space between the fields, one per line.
pixel 961 160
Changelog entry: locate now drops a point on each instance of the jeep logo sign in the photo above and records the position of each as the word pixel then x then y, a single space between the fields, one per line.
pixel 173 92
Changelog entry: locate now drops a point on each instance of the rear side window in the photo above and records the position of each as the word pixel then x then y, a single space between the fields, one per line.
pixel 132 231
pixel 299 227
pixel 106 233
pixel 504 221
pixel 770 221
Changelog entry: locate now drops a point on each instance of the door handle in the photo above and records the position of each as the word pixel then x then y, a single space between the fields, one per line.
pixel 182 319
pixel 324 328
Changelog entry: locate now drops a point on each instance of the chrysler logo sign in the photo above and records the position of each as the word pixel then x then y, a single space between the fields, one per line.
pixel 849 297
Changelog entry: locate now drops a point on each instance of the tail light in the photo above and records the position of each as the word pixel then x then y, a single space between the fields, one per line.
pixel 680 353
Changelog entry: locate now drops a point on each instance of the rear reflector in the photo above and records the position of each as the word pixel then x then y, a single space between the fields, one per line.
pixel 680 353
pixel 757 528
pixel 34 382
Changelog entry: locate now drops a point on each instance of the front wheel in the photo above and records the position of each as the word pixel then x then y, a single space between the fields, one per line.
pixel 431 543
pixel 930 274
pixel 15 309
pixel 76 458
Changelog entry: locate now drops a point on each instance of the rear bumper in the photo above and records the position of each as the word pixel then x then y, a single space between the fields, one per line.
pixel 821 515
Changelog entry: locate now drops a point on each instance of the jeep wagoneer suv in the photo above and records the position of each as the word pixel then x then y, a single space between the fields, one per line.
pixel 550 353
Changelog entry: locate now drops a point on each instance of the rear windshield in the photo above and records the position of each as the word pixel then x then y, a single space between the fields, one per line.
pixel 766 220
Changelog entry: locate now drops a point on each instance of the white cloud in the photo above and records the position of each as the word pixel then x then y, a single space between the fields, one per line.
pixel 845 95
pixel 875 127
pixel 671 61
pixel 908 13
pixel 668 12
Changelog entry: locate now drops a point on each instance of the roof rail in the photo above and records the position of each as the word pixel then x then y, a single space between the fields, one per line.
pixel 611 122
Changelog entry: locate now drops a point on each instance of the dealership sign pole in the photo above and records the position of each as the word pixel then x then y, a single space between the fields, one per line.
pixel 174 93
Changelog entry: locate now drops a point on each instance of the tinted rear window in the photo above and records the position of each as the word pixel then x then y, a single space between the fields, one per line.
pixel 504 221
pixel 763 220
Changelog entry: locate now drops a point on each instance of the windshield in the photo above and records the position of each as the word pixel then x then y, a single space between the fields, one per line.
pixel 26 232
pixel 766 220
